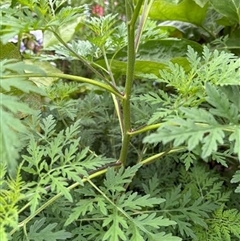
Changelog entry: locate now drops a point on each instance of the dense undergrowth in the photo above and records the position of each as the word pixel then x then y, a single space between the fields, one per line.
pixel 120 121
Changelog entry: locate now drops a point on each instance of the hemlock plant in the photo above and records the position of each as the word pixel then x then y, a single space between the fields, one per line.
pixel 120 127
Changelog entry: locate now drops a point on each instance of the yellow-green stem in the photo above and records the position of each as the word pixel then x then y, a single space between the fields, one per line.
pixel 128 86
pixel 161 154
pixel 85 62
pixel 70 77
pixel 131 53
pixel 144 129
pixel 54 198
pixel 146 8
pixel 115 99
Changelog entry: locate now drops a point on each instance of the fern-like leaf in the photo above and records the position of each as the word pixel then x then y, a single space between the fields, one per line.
pixel 226 224
pixel 10 195
pixel 200 126
pixel 39 232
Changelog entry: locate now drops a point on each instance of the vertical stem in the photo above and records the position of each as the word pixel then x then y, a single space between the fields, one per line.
pixel 114 97
pixel 131 22
pixel 146 8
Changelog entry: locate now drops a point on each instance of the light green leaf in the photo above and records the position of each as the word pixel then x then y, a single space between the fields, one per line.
pixel 65 31
pixel 235 179
pixel 228 8
pixel 134 201
pixel 136 236
pixel 165 237
pixel 186 11
pixel 3 233
pixel 144 220
pixel 201 3
pixel 211 142
pixel 181 131
pixel 115 181
pixel 35 198
pixel 59 184
pixel 235 136
pixel 115 231
pixel 102 205
pixel 83 207
pixel 10 127
pixel 223 107
pixel 47 68
pixel 226 224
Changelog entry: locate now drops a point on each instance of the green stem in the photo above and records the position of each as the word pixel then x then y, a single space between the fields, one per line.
pixel 115 100
pixel 75 54
pixel 161 154
pixel 121 210
pixel 109 200
pixel 70 77
pixel 129 81
pixel 144 129
pixel 206 30
pixel 146 8
pixel 228 128
pixel 95 71
pixel 136 12
pixel 54 198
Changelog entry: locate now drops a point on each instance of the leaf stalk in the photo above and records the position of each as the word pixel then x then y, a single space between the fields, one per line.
pixel 70 77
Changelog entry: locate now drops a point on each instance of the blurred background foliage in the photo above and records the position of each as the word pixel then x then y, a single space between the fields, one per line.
pixel 202 22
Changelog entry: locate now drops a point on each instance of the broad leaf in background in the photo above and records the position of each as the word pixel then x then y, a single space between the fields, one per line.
pixel 155 55
pixel 47 68
pixel 65 31
pixel 228 8
pixel 166 49
pixel 201 3
pixel 141 67
pixel 144 66
pixel 186 11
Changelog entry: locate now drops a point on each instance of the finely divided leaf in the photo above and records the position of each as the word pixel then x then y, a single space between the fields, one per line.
pixel 115 180
pixel 60 184
pixel 115 232
pixel 134 201
pixel 38 233
pixel 235 136
pixel 82 208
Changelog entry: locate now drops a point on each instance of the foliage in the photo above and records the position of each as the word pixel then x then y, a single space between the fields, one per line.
pixel 200 126
pixel 223 225
pixel 122 123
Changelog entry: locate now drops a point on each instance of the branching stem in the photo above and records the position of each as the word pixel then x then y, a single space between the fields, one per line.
pixel 131 22
pixel 70 77
pixel 88 65
pixel 115 99
pixel 58 195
